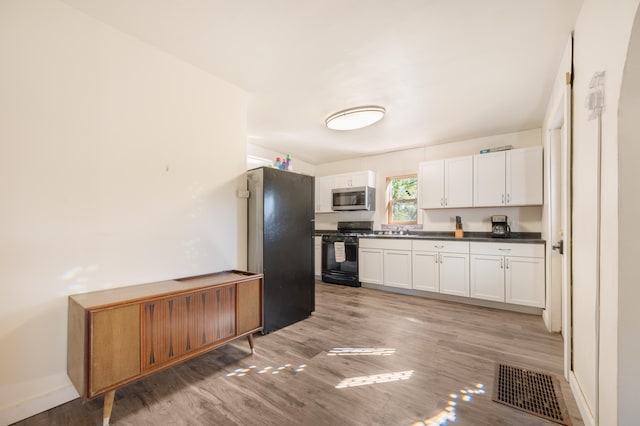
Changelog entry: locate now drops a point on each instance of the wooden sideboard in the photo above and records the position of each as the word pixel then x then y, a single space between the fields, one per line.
pixel 120 335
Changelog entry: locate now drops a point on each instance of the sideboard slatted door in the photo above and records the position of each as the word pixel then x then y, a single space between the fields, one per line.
pixel 176 326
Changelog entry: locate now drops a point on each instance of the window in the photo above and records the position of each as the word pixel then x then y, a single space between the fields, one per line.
pixel 403 207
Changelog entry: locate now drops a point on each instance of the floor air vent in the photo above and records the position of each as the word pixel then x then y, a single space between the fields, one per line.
pixel 530 391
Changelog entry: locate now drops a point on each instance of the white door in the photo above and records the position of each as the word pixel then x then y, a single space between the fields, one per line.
pixel 397 268
pixel 458 182
pixel 559 297
pixel 489 179
pixel 523 177
pixel 425 271
pixel 454 272
pixel 431 184
pixel 555 230
pixel 487 277
pixel 524 281
pixel 370 265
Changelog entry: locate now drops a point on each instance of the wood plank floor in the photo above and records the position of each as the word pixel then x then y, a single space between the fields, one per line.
pixel 436 348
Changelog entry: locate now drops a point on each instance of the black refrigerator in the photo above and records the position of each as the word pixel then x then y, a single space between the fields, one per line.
pixel 281 243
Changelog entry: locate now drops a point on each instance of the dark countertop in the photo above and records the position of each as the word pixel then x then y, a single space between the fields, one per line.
pixel 516 237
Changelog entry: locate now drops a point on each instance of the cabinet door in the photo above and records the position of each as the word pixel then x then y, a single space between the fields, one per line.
pixel 249 306
pixel 431 185
pixel 324 185
pixel 487 277
pixel 425 271
pixel 344 180
pixel 370 265
pixel 365 178
pixel 458 182
pixel 489 179
pixel 114 346
pixel 454 273
pixel 524 176
pixel 525 281
pixel 176 326
pixel 397 268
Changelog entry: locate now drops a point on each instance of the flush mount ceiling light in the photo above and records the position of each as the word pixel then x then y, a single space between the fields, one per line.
pixel 355 118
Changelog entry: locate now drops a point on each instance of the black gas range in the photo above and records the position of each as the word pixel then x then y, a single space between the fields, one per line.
pixel 340 253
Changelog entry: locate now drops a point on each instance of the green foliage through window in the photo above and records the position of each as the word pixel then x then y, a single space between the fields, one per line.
pixel 403 207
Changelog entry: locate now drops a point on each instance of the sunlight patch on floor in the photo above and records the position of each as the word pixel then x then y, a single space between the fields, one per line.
pixel 241 372
pixel 361 351
pixel 377 378
pixel 448 414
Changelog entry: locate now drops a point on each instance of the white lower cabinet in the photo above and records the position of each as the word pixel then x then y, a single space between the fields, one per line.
pixel 426 271
pixel 385 262
pixel 487 277
pixel 500 272
pixel 397 268
pixel 524 281
pixel 370 265
pixel 508 272
pixel 441 266
pixel 454 274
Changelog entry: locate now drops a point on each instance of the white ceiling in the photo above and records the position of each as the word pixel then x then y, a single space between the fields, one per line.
pixel 445 70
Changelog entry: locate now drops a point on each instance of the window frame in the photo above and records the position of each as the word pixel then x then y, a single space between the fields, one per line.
pixel 391 202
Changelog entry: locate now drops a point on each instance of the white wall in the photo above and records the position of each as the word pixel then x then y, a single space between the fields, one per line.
pixel 601 37
pixel 110 175
pixel 524 219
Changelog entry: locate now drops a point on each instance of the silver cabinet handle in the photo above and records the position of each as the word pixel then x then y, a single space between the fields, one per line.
pixel 508 198
pixel 504 249
pixel 501 263
pixel 502 198
pixel 507 263
pixel 435 258
pixel 442 201
pixel 440 255
pixel 445 201
pixel 439 247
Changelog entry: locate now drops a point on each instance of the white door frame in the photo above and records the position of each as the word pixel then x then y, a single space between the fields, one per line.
pixel 562 120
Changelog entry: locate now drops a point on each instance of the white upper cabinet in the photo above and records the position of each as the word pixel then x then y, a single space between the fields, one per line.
pixel 458 182
pixel 524 177
pixel 508 178
pixel 324 185
pixel 446 183
pixel 431 184
pixel 355 179
pixel 489 179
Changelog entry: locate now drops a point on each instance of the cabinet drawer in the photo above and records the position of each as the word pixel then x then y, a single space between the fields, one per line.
pixel 508 249
pixel 385 243
pixel 442 246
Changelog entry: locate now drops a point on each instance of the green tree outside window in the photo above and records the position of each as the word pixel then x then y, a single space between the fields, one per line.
pixel 403 205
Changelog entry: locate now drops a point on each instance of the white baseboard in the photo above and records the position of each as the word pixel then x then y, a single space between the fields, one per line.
pixel 26 408
pixel 585 412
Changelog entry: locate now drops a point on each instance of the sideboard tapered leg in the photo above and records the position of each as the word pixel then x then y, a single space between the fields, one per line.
pixel 250 338
pixel 108 406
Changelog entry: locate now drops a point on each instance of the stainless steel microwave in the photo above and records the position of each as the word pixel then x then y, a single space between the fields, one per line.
pixel 358 198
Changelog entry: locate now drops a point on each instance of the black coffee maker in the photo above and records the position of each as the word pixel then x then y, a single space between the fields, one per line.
pixel 499 226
